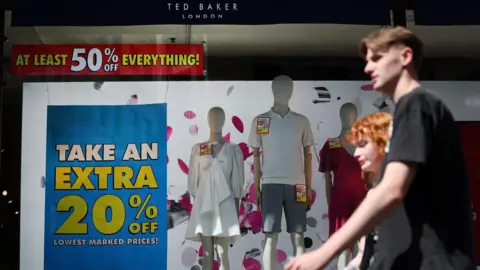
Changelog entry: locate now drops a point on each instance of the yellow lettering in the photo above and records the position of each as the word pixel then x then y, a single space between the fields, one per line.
pixel 103 173
pixel 62 178
pixel 49 59
pixel 179 59
pixel 82 178
pixel 22 59
pixel 125 59
pixel 122 176
pixel 139 59
pixel 146 178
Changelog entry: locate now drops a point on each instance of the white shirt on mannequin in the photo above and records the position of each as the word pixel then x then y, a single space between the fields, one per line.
pixel 282 148
pixel 215 182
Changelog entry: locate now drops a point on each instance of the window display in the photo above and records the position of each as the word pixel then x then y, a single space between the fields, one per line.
pixel 188 106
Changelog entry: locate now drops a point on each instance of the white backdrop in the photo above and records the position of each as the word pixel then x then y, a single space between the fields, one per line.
pixel 188 103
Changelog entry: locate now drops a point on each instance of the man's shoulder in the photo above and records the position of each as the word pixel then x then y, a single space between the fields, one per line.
pixel 420 98
pixel 425 101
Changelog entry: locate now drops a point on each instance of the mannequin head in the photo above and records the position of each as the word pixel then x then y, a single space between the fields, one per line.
pixel 282 88
pixel 216 119
pixel 348 115
pixel 370 135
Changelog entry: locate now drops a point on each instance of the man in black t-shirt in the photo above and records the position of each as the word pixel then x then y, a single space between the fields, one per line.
pixel 421 207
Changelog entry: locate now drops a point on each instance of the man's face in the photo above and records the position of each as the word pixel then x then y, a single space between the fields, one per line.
pixel 385 67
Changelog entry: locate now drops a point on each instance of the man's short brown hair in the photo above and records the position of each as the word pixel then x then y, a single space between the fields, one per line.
pixel 386 37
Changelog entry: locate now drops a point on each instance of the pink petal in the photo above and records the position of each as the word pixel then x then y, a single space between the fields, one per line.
pixel 216 265
pixel 227 137
pixel 193 130
pixel 281 256
pixel 245 150
pixel 169 132
pixel 237 123
pixel 314 196
pixel 325 216
pixel 367 87
pixel 183 166
pixel 189 114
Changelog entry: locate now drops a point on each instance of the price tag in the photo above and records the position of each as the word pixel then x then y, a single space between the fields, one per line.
pixel 334 143
pixel 263 125
pixel 206 149
pixel 301 193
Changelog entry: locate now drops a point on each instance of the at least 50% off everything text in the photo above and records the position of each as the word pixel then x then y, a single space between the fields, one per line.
pixel 123 178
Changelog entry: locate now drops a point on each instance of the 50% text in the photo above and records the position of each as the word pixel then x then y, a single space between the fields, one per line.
pixel 92 59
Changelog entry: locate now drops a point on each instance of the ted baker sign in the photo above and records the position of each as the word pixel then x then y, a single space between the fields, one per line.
pixel 206 11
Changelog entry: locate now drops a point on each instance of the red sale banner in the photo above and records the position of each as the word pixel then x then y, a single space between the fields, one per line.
pixel 108 59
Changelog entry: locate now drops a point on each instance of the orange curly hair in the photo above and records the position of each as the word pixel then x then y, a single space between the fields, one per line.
pixel 373 127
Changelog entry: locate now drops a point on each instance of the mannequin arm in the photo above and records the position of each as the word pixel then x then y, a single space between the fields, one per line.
pixel 257 171
pixel 328 186
pixel 307 166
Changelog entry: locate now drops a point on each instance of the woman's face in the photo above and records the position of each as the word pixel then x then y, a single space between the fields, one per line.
pixel 368 156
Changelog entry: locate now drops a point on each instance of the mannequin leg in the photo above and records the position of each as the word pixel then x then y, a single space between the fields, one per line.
pixel 269 252
pixel 207 242
pixel 272 206
pixel 221 249
pixel 298 243
pixel 296 218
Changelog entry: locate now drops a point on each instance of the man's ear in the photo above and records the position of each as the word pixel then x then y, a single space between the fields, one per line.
pixel 407 56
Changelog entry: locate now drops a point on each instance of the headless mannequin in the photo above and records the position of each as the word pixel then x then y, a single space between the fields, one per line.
pixel 216 120
pixel 348 117
pixel 282 88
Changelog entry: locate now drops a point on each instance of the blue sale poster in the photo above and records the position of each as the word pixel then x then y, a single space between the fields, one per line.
pixel 105 205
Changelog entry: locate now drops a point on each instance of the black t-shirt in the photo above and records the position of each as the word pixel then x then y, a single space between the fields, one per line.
pixel 435 230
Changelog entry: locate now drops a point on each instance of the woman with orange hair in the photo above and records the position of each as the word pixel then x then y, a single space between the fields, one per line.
pixel 370 137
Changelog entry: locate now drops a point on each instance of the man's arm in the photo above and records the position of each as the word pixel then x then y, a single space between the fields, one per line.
pixel 381 200
pixel 410 145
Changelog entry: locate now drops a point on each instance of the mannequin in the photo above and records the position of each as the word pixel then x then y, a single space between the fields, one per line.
pixel 215 180
pixel 345 189
pixel 281 181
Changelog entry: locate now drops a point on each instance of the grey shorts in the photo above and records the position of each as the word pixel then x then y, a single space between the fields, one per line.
pixel 278 197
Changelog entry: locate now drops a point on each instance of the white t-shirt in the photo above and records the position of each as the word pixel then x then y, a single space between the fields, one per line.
pixel 281 141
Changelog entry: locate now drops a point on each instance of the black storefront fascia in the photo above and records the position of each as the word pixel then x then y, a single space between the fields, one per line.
pixel 236 12
pixel 446 12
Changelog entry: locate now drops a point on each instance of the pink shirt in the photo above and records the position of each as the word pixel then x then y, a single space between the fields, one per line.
pixel 346 169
